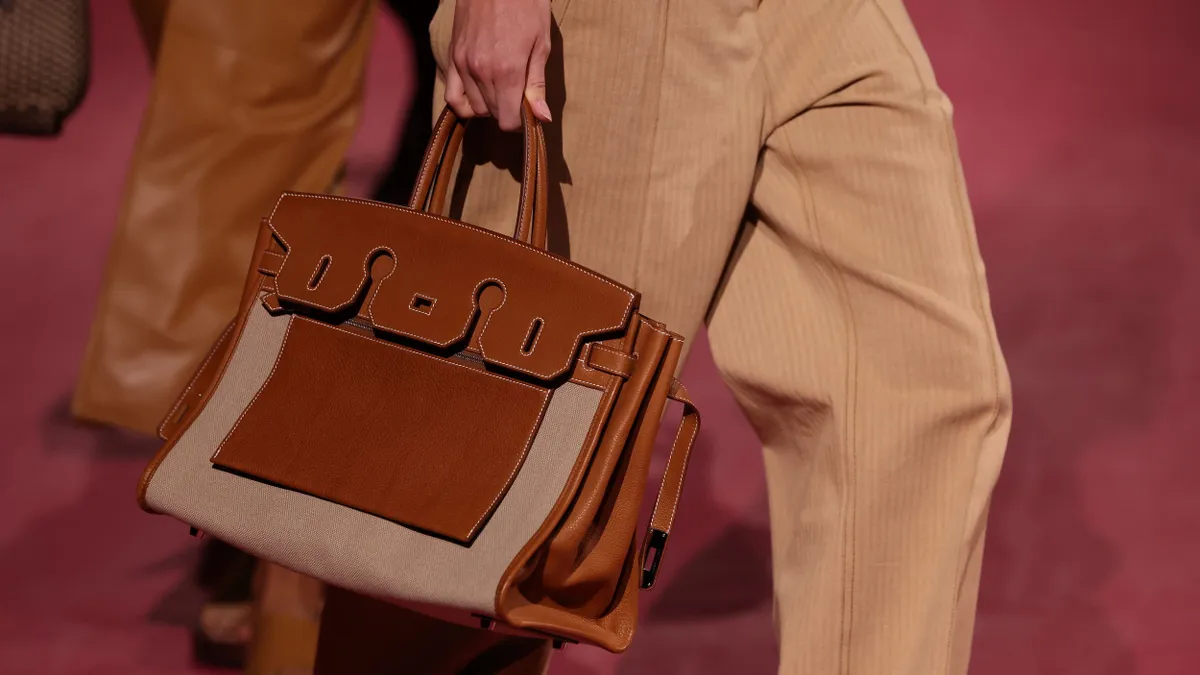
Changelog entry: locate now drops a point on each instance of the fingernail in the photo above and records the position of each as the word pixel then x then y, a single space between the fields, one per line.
pixel 543 110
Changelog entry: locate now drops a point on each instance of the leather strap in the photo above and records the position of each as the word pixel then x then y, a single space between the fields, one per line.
pixel 441 181
pixel 609 360
pixel 663 515
pixel 429 193
pixel 269 263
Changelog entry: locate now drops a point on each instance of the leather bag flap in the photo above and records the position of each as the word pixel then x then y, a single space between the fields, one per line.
pixel 549 305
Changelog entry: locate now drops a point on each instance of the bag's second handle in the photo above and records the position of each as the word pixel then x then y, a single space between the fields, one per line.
pixel 429 194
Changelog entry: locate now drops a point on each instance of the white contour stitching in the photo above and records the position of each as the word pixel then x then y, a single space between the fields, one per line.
pixel 679 486
pixel 195 379
pixel 428 158
pixel 578 338
pixel 439 359
pixel 536 338
pixel 278 357
pixel 466 326
pixel 520 463
pixel 311 286
pixel 671 454
pixel 432 303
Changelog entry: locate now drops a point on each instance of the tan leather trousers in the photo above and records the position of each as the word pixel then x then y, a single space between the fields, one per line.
pixel 249 99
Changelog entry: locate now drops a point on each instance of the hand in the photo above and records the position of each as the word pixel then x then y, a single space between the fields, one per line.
pixel 498 53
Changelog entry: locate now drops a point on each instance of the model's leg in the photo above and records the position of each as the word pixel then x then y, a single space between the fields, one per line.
pixel 249 99
pixel 855 331
pixel 286 619
pixel 854 327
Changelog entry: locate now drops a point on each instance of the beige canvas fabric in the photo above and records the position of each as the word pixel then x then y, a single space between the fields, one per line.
pixel 787 169
pixel 350 548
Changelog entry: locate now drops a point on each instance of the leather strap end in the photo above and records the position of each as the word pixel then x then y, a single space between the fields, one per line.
pixel 271 302
pixel 663 515
pixel 652 553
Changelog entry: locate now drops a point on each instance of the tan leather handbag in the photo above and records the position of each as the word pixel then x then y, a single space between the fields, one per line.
pixel 428 412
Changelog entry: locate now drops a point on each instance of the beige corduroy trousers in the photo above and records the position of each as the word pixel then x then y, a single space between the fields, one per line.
pixel 787 171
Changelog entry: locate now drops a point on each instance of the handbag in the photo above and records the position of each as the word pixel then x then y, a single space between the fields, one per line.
pixel 435 414
pixel 44 63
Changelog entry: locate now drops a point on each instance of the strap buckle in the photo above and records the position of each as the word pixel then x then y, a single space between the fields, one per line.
pixel 656 543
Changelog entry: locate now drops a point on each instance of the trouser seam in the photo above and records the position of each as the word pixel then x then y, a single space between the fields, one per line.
pixel 977 295
pixel 664 31
pixel 851 398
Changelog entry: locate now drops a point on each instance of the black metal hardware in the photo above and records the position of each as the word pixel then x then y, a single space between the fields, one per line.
pixel 655 544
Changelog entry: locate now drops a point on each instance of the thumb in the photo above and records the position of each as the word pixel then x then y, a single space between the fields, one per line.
pixel 535 80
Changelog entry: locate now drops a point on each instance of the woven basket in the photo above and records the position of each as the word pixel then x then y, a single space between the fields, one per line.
pixel 44 57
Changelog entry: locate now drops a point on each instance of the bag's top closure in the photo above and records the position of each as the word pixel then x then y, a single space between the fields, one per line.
pixel 441 267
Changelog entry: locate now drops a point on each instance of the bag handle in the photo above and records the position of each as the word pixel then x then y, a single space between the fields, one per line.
pixel 663 515
pixel 429 194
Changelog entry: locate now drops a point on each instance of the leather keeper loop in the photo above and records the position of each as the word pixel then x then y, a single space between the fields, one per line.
pixel 609 360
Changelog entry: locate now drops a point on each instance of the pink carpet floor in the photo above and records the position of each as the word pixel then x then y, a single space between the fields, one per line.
pixel 1079 125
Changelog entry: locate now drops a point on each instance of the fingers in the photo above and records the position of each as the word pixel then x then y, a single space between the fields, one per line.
pixel 475 97
pixel 498 61
pixel 508 83
pixel 491 85
pixel 467 92
pixel 535 80
pixel 456 96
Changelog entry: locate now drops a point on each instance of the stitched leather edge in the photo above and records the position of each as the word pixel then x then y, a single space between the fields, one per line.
pixel 166 421
pixel 250 296
pixel 632 296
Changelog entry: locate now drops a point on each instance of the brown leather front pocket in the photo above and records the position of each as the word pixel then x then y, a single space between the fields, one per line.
pixel 420 440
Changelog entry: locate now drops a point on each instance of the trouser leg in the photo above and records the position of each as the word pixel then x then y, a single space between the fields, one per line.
pixel 249 99
pixel 853 323
pixel 855 331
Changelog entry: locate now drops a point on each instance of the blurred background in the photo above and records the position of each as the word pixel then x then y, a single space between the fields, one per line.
pixel 1079 127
